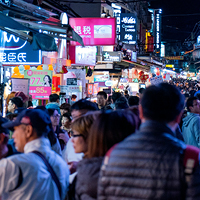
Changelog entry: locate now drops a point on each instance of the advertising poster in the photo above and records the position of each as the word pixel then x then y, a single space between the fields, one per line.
pixel 40 83
pixel 20 85
pixel 94 31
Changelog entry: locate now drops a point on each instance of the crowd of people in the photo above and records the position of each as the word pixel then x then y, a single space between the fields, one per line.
pixel 121 148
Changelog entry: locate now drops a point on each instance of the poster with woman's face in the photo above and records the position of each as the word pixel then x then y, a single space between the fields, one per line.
pixel 40 83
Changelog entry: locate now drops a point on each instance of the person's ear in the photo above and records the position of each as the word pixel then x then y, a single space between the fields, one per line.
pixel 29 131
pixel 178 118
pixel 190 108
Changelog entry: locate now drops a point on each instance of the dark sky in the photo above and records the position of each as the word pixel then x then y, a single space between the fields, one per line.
pixel 180 25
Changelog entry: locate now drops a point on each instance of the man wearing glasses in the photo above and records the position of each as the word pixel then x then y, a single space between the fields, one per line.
pixel 191 123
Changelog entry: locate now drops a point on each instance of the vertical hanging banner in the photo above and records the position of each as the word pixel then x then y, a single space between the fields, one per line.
pixel 40 83
pixel 128 28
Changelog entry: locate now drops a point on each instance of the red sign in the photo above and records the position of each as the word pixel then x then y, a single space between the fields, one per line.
pixel 55 84
pixel 150 44
pixel 94 31
pixel 90 88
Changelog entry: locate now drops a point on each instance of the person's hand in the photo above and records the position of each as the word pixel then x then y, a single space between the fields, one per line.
pixel 72 166
pixel 63 137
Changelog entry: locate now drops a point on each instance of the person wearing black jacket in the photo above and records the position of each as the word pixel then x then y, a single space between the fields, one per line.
pixel 150 164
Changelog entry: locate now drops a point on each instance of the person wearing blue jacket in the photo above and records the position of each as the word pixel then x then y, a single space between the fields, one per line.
pixel 191 123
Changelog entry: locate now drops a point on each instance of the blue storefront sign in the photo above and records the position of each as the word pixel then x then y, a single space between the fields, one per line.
pixel 128 24
pixel 15 51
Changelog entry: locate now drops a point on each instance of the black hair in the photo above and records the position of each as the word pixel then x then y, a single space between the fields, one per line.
pixel 41 108
pixel 48 78
pixel 66 106
pixel 141 90
pixel 133 100
pixel 190 102
pixel 50 111
pixel 162 102
pixel 17 101
pixel 53 97
pixel 51 135
pixel 3 130
pixel 102 93
pixel 121 103
pixel 68 116
pixel 115 96
pixel 83 104
pixel 126 92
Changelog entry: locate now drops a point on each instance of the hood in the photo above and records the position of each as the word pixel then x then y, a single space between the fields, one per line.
pixel 189 118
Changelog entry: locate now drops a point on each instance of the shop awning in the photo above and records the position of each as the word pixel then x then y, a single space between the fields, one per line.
pixel 44 42
pixel 127 63
pixel 149 63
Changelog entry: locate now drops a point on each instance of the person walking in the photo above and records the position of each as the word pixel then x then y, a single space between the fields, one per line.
pixel 26 176
pixel 153 163
pixel 191 123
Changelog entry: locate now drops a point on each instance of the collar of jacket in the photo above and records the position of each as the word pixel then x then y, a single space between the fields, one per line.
pixel 156 127
pixel 39 144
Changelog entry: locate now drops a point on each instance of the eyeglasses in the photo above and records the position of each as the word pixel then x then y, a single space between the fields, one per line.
pixel 79 135
pixel 54 116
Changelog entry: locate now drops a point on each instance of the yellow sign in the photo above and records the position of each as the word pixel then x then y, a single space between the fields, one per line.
pixel 174 57
pixel 170 66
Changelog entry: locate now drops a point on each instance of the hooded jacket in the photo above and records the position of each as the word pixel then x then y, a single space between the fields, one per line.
pixel 191 129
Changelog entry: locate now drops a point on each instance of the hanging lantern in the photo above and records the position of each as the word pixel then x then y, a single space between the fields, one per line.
pixel 27 67
pixel 68 63
pixel 17 73
pixel 141 73
pixel 16 70
pixel 50 67
pixel 40 67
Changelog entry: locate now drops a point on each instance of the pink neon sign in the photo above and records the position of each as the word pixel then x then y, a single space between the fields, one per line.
pixel 94 31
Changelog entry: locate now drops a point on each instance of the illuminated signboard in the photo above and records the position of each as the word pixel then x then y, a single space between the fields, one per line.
pixel 40 83
pixel 86 55
pixel 127 28
pixel 94 31
pixel 114 56
pixel 14 51
pixel 157 30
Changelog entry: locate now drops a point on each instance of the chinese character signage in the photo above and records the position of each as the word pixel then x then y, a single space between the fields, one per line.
pixel 40 83
pixel 150 43
pixel 14 51
pixel 127 28
pixel 94 31
pixel 114 56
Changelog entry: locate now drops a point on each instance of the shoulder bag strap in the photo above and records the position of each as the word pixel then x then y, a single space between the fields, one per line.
pixel 51 171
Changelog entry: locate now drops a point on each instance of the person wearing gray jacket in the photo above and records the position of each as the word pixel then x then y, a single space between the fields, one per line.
pixel 191 123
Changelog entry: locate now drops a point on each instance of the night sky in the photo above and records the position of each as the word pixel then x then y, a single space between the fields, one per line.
pixel 179 26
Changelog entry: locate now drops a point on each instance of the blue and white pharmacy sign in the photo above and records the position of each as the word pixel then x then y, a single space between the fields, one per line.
pixel 15 51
